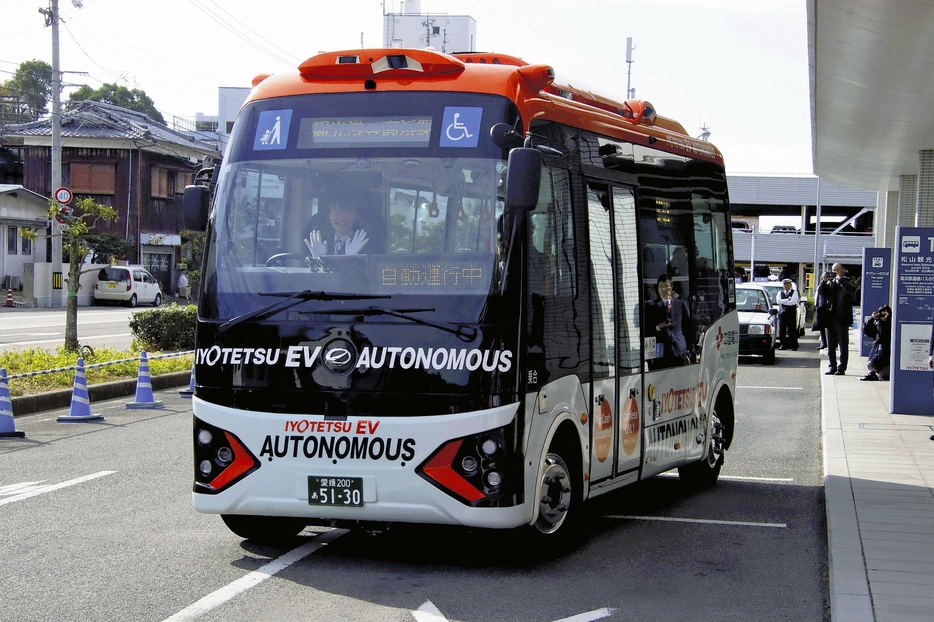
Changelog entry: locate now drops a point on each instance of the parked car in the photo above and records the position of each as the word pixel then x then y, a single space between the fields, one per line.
pixel 756 321
pixel 128 284
pixel 741 225
pixel 773 287
pixel 784 229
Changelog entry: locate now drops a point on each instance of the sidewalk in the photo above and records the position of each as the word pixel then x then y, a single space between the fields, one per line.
pixel 879 490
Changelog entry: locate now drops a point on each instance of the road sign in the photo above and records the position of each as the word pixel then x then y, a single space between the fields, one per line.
pixel 63 215
pixel 63 195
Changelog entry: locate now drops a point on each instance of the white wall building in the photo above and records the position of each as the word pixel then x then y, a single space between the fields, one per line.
pixel 410 28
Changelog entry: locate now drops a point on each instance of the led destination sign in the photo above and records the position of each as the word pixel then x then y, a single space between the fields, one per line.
pixel 342 132
pixel 439 276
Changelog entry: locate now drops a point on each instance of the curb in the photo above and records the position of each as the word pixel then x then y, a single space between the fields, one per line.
pixel 28 404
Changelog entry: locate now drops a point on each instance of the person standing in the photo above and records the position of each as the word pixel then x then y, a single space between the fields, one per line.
pixel 183 290
pixel 841 317
pixel 822 308
pixel 669 320
pixel 787 300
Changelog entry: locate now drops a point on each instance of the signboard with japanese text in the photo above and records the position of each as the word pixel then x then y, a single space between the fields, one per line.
pixel 910 387
pixel 876 288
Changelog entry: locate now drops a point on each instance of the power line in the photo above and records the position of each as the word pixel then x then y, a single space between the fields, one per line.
pixel 226 25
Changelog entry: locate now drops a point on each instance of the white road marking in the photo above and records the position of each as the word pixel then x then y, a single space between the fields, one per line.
pixel 781 388
pixel 672 519
pixel 428 613
pixel 13 489
pixel 44 489
pixel 222 595
pixel 596 614
pixel 740 478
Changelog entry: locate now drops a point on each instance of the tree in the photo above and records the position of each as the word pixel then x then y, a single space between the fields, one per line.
pixel 80 220
pixel 108 246
pixel 31 85
pixel 131 99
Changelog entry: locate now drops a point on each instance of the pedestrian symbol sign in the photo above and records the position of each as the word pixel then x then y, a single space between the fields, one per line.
pixel 272 130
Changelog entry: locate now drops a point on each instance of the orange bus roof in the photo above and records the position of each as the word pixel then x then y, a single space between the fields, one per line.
pixel 530 87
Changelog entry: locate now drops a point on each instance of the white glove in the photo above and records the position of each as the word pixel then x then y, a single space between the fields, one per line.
pixel 356 243
pixel 316 246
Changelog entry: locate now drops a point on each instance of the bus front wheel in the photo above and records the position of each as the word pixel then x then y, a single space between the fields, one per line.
pixel 264 529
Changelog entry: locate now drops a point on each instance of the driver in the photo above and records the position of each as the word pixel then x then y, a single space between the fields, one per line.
pixel 344 236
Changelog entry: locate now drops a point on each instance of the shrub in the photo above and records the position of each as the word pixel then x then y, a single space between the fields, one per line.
pixel 165 328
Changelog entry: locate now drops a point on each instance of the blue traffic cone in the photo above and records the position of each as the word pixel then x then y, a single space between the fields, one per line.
pixel 80 403
pixel 144 397
pixel 191 385
pixel 7 427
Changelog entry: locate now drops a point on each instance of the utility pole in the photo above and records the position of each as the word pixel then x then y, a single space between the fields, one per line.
pixel 630 93
pixel 52 16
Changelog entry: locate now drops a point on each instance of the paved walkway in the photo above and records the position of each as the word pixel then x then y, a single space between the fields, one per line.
pixel 879 488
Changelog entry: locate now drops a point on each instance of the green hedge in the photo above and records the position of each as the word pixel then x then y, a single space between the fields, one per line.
pixel 165 328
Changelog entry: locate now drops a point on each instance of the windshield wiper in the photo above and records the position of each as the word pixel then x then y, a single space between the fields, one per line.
pixel 290 300
pixel 464 333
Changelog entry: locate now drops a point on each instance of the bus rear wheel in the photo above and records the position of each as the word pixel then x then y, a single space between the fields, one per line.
pixel 264 529
pixel 705 472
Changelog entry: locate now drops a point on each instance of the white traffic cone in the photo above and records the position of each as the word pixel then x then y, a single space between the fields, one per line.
pixel 7 426
pixel 80 411
pixel 144 397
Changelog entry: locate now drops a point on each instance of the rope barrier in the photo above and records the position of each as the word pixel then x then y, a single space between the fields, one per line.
pixel 57 370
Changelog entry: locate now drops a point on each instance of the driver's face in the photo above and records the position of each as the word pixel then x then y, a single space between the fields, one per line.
pixel 342 219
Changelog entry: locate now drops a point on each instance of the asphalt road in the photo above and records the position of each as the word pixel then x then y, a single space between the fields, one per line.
pixel 97 524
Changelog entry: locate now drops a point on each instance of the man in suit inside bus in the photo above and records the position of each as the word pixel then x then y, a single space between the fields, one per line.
pixel 669 319
pixel 343 232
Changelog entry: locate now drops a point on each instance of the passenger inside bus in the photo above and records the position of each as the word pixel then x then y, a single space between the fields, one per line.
pixel 669 320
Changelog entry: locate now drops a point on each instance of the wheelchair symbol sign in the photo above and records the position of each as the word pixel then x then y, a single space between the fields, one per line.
pixel 460 126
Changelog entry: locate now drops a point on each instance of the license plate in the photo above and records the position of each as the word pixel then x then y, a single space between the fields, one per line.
pixel 335 491
pixel 111 286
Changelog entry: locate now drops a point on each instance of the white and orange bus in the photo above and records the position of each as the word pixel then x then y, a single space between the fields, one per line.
pixel 542 310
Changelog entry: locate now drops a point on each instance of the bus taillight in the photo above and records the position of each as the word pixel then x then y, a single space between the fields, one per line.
pixel 476 470
pixel 220 459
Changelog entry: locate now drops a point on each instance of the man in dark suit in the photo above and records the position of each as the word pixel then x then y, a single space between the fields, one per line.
pixel 669 320
pixel 822 308
pixel 841 318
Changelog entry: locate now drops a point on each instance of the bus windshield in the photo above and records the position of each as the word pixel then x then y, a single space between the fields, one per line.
pixel 388 227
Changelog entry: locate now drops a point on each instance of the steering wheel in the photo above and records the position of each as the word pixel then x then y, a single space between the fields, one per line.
pixel 279 259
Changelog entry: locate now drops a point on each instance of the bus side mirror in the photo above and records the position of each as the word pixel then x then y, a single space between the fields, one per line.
pixel 523 178
pixel 195 204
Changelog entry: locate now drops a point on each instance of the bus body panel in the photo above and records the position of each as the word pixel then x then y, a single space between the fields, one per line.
pixel 393 492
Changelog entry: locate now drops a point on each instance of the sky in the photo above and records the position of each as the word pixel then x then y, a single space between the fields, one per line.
pixel 736 67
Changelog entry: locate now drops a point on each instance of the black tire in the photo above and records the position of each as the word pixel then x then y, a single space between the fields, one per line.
pixel 132 301
pixel 273 530
pixel 157 300
pixel 769 359
pixel 705 472
pixel 556 531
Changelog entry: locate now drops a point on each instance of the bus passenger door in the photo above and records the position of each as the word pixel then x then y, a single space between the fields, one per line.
pixel 628 339
pixel 615 336
pixel 603 402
